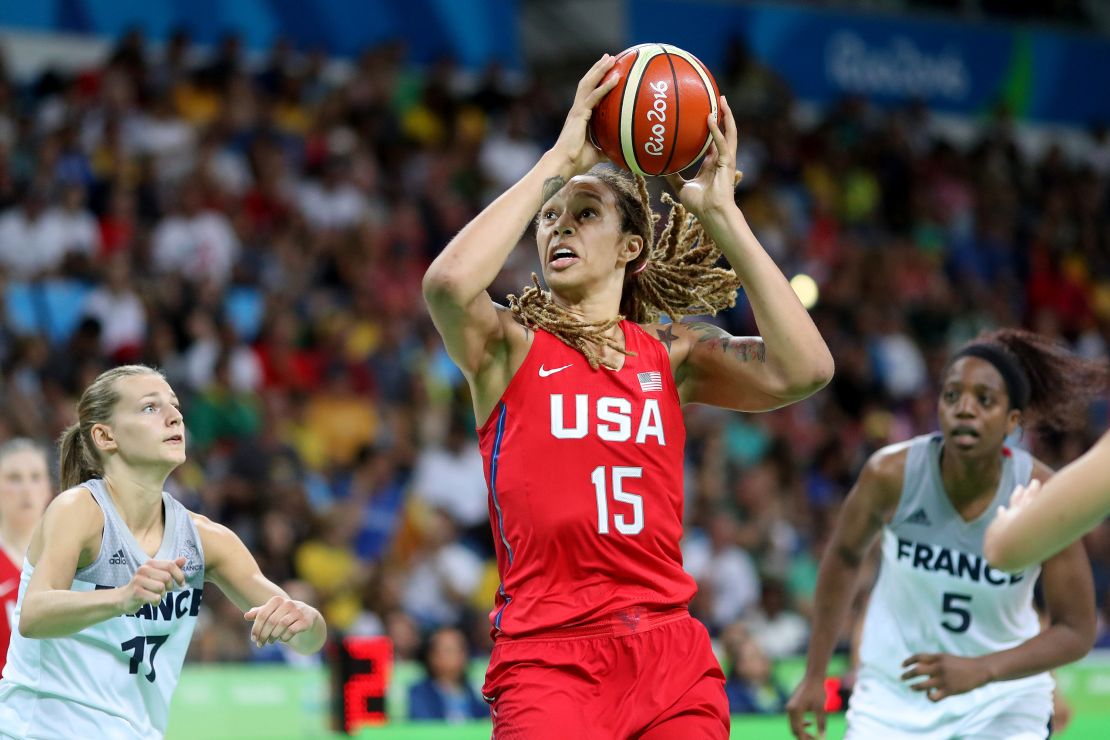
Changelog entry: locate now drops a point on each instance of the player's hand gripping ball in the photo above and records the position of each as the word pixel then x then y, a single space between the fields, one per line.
pixel 654 122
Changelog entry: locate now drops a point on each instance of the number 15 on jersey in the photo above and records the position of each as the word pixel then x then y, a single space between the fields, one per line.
pixel 623 524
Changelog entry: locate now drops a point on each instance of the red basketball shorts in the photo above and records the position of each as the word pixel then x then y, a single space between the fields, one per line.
pixel 651 676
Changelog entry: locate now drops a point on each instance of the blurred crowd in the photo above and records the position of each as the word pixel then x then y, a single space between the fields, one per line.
pixel 259 230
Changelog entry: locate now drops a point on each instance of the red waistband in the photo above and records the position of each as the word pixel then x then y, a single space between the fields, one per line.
pixel 616 624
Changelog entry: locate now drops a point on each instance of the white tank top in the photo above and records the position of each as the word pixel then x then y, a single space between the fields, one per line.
pixel 936 593
pixel 112 680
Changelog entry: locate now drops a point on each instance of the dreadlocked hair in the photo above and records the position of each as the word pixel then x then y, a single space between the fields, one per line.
pixel 676 274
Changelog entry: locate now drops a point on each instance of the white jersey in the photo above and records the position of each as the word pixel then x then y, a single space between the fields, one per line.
pixel 114 679
pixel 936 594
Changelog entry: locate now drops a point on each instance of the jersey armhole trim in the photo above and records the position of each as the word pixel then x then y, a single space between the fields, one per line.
pixel 103 534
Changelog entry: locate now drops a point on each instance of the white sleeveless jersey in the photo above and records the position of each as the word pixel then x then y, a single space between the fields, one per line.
pixel 936 594
pixel 112 680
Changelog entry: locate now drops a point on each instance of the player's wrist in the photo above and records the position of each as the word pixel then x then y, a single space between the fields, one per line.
pixel 118 600
pixel 815 673
pixel 989 671
pixel 557 163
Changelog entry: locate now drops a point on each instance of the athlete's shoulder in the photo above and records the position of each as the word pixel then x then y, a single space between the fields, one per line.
pixel 72 519
pixel 886 468
pixel 1041 470
pixel 516 331
pixel 217 539
pixel 76 505
pixel 205 525
pixel 890 459
pixel 676 337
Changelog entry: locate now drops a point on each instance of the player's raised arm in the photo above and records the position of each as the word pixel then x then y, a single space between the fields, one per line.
pixel 456 282
pixel 1041 520
pixel 277 617
pixel 869 504
pixel 791 361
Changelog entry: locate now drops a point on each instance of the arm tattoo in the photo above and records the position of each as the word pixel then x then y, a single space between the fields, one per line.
pixel 715 338
pixel 666 336
pixel 552 185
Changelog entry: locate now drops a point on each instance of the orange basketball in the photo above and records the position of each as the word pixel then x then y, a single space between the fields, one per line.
pixel 654 121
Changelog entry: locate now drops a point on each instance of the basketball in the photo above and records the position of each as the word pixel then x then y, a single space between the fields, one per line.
pixel 654 121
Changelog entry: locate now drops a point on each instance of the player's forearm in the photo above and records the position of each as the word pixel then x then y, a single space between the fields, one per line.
pixel 60 613
pixel 312 639
pixel 836 586
pixel 1058 645
pixel 471 261
pixel 793 344
pixel 1073 501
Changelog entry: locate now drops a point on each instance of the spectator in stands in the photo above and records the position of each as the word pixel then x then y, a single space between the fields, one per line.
pixel 779 631
pixel 727 580
pixel 120 312
pixel 80 233
pixel 31 241
pixel 750 684
pixel 452 477
pixel 446 694
pixel 444 575
pixel 334 202
pixel 196 242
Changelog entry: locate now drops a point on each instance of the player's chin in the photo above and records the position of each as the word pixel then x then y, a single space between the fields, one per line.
pixel 565 280
pixel 174 456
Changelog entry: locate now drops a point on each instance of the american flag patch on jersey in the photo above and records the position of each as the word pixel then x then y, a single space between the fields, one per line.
pixel 650 381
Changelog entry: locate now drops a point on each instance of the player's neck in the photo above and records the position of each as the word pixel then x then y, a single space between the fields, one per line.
pixel 137 496
pixel 967 479
pixel 591 305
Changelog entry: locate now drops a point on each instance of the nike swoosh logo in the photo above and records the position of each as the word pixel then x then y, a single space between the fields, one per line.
pixel 544 373
pixel 6 588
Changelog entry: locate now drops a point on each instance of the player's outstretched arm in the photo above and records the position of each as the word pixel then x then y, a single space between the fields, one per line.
pixel 869 504
pixel 68 538
pixel 792 360
pixel 1042 519
pixel 229 564
pixel 456 282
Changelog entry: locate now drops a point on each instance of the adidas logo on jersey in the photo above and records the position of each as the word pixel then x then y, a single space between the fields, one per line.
pixel 919 517
pixel 120 558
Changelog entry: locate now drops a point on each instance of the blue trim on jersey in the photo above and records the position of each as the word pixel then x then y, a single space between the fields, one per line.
pixel 497 505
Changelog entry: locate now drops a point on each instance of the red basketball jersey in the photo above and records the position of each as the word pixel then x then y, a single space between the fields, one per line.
pixel 9 592
pixel 584 469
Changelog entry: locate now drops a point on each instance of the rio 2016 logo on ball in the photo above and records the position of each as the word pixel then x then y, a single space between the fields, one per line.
pixel 654 121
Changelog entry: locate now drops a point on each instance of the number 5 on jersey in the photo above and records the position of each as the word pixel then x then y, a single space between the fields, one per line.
pixel 955 608
pixel 635 500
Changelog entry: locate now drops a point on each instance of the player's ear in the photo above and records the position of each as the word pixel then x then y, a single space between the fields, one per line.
pixel 102 437
pixel 632 247
pixel 1013 421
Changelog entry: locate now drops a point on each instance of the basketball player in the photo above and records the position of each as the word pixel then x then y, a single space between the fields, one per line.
pixel 111 587
pixel 24 493
pixel 579 391
pixel 1040 521
pixel 951 647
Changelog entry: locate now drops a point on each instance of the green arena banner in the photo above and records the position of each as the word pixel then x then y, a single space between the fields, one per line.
pixel 244 702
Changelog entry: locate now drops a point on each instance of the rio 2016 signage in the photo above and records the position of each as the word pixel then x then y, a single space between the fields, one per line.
pixel 898 67
pixel 956 67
